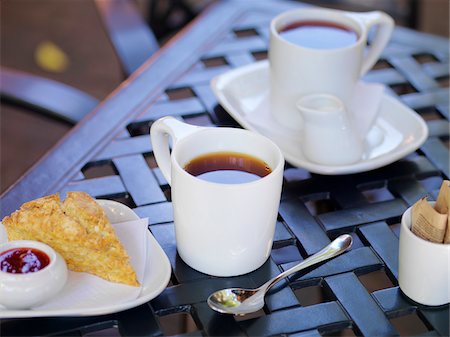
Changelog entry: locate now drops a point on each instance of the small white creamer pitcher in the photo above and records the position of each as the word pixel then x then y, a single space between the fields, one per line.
pixel 329 134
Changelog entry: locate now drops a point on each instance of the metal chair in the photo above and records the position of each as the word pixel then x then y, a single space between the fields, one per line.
pixel 133 42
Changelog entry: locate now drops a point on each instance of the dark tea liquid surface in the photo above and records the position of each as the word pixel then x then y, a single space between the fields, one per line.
pixel 318 35
pixel 228 168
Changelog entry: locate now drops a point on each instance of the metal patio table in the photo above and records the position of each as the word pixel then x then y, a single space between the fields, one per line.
pixel 109 155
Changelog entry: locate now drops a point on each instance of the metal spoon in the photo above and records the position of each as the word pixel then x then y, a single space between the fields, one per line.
pixel 238 301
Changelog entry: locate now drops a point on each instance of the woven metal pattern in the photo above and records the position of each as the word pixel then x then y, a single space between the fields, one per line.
pixel 354 294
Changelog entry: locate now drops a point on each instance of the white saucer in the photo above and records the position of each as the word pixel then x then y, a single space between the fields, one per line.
pixel 244 93
pixel 156 275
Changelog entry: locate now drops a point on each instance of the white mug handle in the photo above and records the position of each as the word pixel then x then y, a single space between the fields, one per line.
pixel 383 34
pixel 160 132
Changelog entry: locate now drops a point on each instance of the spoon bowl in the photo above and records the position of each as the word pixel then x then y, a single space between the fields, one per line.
pixel 240 301
pixel 232 298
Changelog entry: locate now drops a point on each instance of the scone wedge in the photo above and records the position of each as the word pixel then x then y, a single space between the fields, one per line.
pixel 79 230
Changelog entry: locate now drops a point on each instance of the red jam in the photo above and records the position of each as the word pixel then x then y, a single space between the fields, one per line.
pixel 23 260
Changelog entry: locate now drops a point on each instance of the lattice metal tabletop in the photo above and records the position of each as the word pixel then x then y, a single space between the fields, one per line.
pixel 109 155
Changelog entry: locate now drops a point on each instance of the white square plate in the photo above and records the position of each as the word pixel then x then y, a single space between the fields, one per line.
pixel 156 276
pixel 244 93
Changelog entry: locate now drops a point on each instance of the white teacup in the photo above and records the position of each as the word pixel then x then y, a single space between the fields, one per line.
pixel 222 229
pixel 298 69
pixel 424 267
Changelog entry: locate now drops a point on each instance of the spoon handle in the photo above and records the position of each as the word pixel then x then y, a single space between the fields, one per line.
pixel 336 247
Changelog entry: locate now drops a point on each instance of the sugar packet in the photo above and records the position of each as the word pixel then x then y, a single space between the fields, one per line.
pixel 433 223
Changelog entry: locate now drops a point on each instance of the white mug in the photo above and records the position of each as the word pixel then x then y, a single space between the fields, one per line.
pixel 297 70
pixel 221 229
pixel 424 267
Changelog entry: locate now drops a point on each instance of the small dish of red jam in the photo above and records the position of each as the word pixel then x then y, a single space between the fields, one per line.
pixel 23 260
pixel 31 273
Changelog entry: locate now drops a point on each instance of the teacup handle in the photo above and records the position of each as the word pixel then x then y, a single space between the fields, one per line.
pixel 383 34
pixel 160 133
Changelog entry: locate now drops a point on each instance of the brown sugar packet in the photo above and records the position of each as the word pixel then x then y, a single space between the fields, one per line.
pixel 427 223
pixel 443 206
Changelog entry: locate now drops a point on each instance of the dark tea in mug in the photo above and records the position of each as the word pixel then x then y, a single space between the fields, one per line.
pixel 227 167
pixel 318 34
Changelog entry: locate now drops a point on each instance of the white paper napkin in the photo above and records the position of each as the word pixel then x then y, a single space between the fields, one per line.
pixel 365 105
pixel 84 290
